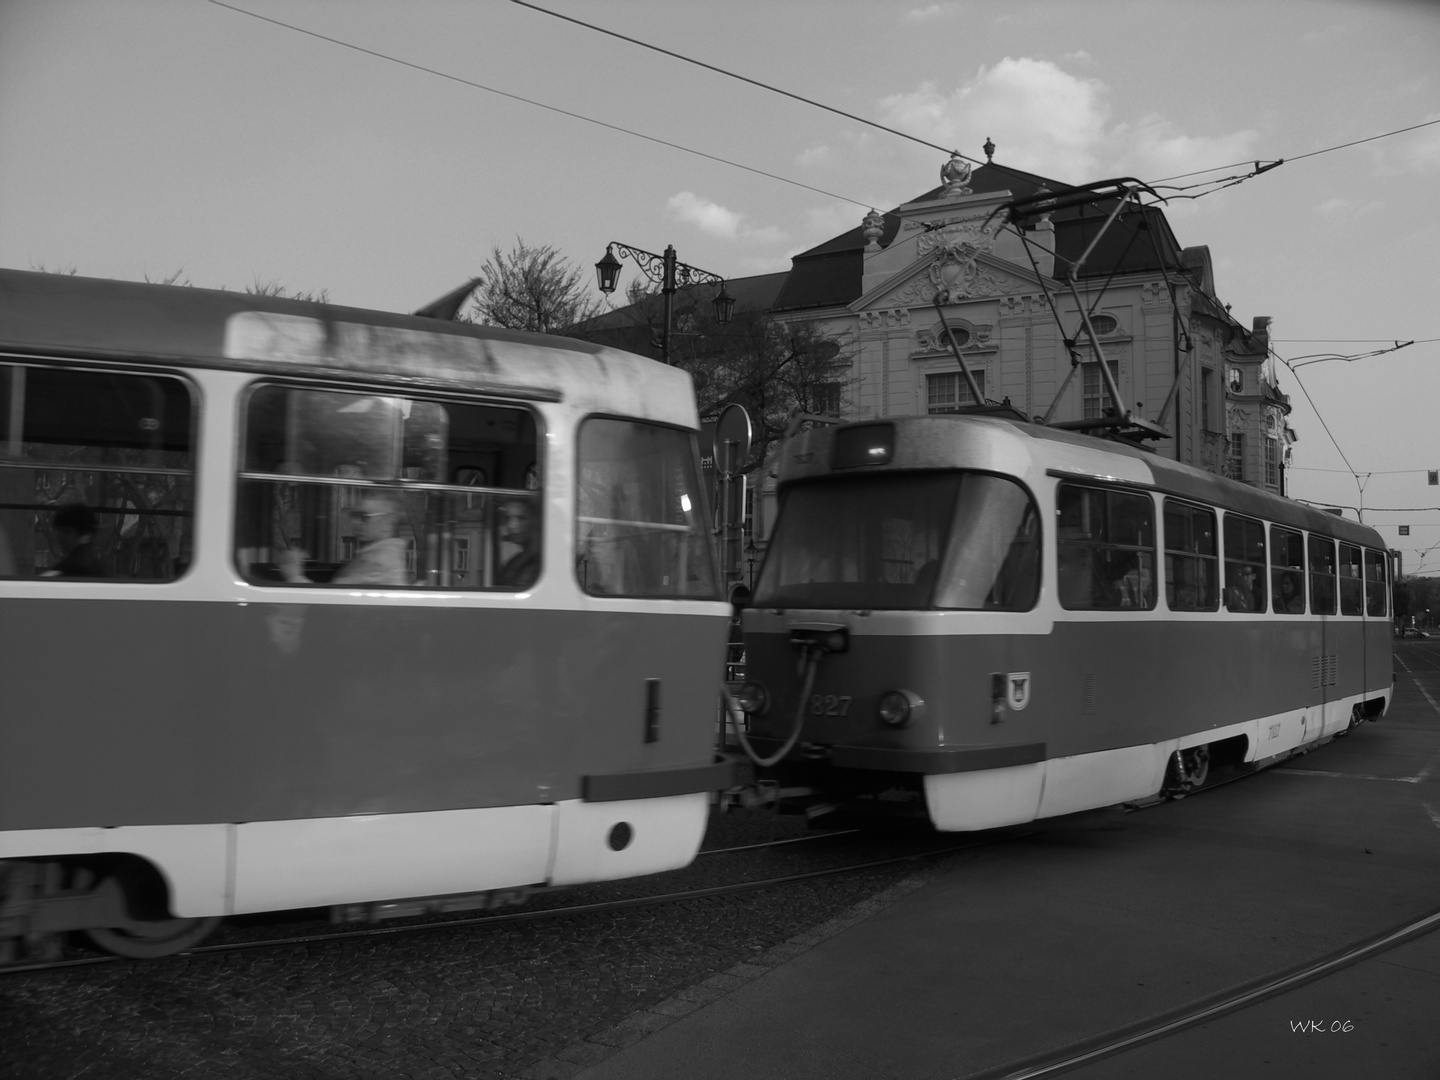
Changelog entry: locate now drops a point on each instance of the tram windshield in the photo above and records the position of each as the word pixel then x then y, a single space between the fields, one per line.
pixel 954 540
pixel 640 524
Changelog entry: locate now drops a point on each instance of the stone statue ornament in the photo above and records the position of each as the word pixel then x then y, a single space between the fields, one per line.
pixel 955 174
pixel 874 227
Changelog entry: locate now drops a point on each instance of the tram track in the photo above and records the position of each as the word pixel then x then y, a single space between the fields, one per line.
pixel 402 929
pixel 1212 1007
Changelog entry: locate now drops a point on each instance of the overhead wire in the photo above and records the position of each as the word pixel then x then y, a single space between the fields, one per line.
pixel 1218 184
pixel 538 104
pixel 1211 186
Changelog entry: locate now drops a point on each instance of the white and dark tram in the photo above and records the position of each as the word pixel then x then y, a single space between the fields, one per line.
pixel 306 606
pixel 987 621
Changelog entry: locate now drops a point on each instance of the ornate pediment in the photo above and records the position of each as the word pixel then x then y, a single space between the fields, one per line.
pixel 956 271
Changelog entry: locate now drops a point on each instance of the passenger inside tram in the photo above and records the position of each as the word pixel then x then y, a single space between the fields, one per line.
pixel 75 526
pixel 518 531
pixel 1289 597
pixel 380 559
pixel 1240 591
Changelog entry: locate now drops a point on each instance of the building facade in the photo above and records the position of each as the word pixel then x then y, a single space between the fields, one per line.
pixel 1193 383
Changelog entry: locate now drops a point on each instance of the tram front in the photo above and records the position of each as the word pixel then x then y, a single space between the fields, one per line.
pixel 886 639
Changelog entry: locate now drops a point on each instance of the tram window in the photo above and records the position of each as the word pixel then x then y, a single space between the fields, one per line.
pixel 346 488
pixel 641 527
pixel 1244 564
pixel 1322 575
pixel 1352 584
pixel 992 561
pixel 1377 591
pixel 904 541
pixel 1191 563
pixel 117 446
pixel 1106 544
pixel 1287 571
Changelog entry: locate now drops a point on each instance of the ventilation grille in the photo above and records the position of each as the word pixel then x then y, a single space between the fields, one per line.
pixel 1323 670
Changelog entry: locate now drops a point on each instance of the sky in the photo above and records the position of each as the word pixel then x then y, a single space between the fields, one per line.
pixel 149 138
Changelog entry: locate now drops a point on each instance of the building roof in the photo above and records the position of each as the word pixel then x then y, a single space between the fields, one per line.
pixel 830 274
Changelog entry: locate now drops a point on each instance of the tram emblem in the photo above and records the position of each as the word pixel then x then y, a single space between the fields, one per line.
pixel 1017 689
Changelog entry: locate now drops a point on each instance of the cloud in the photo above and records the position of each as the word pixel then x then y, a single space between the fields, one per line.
pixel 1348 209
pixel 1046 120
pixel 1057 119
pixel 1410 151
pixel 716 220
pixel 931 12
pixel 1152 148
pixel 816 156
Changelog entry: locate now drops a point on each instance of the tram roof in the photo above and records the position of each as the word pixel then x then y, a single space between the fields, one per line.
pixel 1167 476
pixel 1176 478
pixel 98 318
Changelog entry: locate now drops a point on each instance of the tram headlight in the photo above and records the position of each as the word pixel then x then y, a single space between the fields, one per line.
pixel 752 699
pixel 898 707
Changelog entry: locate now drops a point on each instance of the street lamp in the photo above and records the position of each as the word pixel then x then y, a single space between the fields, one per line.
pixel 669 275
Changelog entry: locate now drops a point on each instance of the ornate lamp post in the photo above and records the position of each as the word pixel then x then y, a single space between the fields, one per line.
pixel 669 274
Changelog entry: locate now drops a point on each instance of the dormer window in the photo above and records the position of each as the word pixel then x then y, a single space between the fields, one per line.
pixel 1234 379
pixel 1104 324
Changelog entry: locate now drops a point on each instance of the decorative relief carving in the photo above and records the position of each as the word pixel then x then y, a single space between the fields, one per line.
pixel 1153 292
pixel 967 335
pixel 885 319
pixel 955 275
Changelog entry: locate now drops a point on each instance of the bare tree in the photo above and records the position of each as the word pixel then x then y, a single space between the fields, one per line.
pixel 274 288
pixel 775 368
pixel 532 288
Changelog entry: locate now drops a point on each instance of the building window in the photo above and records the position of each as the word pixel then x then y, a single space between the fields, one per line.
pixel 1272 462
pixel 1104 324
pixel 1207 389
pixel 1235 457
pixel 825 398
pixel 1234 379
pixel 950 392
pixel 1096 395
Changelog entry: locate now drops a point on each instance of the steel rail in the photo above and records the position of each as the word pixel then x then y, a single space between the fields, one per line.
pixel 537 915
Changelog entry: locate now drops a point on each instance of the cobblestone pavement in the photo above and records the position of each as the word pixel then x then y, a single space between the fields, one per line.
pixel 517 1000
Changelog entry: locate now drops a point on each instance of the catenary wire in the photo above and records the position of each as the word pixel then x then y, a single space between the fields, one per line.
pixel 1224 182
pixel 538 104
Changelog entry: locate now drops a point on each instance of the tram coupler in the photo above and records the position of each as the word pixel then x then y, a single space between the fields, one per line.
pixel 820 638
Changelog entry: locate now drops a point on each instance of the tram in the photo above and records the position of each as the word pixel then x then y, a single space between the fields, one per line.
pixel 984 621
pixel 310 606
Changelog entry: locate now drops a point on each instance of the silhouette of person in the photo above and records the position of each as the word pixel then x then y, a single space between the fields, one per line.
pixel 75 526
pixel 518 527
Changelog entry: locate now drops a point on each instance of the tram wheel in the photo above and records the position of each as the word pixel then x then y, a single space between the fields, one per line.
pixel 160 937
pixel 1187 771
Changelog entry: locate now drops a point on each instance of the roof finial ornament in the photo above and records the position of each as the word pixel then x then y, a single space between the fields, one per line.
pixel 989 149
pixel 956 175
pixel 874 227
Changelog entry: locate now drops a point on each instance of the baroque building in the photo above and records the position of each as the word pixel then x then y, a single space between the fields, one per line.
pixel 946 273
